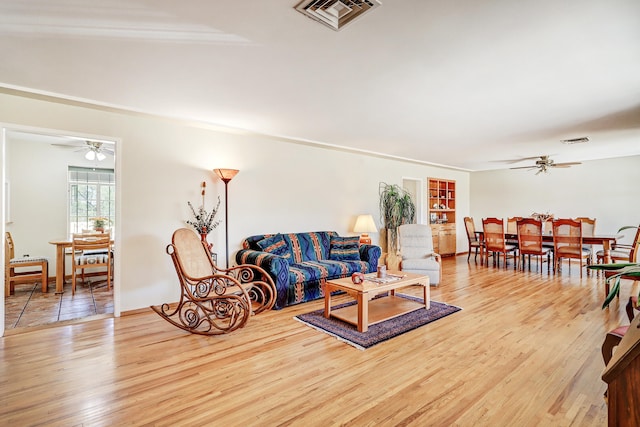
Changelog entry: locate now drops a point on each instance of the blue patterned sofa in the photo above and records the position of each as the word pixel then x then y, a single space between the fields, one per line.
pixel 300 262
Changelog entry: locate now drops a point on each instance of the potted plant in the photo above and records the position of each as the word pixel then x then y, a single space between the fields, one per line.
pixel 100 222
pixel 619 270
pixel 396 208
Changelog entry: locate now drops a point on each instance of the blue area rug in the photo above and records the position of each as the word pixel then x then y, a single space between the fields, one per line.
pixel 380 331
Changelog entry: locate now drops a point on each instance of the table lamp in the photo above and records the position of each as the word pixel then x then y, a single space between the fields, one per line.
pixel 365 225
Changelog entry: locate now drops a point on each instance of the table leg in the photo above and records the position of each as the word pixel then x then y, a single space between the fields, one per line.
pixel 327 301
pixel 606 249
pixel 363 312
pixel 427 295
pixel 59 269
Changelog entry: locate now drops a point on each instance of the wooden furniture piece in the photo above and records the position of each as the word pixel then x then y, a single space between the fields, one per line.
pixel 11 263
pixel 622 252
pixel 568 244
pixel 90 252
pixel 441 194
pixel 512 228
pixel 495 241
pixel 614 336
pixel 369 311
pixel 213 301
pixel 472 238
pixel 604 240
pixel 530 242
pixel 622 375
pixel 588 229
pixel 416 253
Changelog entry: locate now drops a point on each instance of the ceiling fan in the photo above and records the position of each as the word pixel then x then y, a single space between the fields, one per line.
pixel 544 163
pixel 94 150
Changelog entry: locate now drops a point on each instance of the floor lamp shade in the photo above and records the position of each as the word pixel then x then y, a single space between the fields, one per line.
pixel 365 225
pixel 226 175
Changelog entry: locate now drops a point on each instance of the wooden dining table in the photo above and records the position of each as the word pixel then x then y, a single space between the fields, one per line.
pixel 604 240
pixel 61 246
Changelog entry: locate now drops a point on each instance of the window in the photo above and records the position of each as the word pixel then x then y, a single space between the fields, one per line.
pixel 92 194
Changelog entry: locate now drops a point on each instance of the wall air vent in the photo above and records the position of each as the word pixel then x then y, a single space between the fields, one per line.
pixel 336 13
pixel 575 140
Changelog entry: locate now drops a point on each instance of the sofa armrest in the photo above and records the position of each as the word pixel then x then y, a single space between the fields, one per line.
pixel 276 267
pixel 370 254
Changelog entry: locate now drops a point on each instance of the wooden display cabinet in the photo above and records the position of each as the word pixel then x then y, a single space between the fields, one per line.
pixel 441 194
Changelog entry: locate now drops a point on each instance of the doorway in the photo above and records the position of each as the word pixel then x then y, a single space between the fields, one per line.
pixel 414 186
pixel 36 201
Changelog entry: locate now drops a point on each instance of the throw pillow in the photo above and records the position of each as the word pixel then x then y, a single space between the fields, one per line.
pixel 275 245
pixel 345 248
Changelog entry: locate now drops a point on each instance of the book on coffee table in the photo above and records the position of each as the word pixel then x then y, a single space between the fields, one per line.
pixel 386 279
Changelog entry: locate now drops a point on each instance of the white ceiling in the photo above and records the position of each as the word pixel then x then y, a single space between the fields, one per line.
pixel 468 84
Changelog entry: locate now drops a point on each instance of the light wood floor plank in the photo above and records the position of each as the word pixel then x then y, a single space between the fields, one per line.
pixel 525 350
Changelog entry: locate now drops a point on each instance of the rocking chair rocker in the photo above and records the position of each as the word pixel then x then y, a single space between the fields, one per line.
pixel 213 301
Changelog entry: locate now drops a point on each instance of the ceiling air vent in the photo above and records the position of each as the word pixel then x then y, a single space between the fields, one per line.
pixel 575 140
pixel 336 13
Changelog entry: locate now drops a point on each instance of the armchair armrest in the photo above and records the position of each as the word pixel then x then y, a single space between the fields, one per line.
pixel 370 254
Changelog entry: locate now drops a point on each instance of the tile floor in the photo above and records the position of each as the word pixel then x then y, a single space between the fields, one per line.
pixel 30 307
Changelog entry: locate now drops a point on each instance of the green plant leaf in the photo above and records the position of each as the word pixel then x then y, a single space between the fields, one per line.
pixel 613 292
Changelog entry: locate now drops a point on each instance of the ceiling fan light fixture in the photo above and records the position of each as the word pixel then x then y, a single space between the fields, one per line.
pixel 100 156
pixel 90 155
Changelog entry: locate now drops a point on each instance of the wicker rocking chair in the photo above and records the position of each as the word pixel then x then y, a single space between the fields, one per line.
pixel 213 301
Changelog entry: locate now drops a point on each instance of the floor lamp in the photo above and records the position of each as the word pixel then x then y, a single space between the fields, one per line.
pixel 226 175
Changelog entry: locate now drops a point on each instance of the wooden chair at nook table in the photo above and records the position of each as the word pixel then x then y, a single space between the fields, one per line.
pixel 495 242
pixel 567 244
pixel 530 242
pixel 92 252
pixel 472 238
pixel 213 300
pixel 22 270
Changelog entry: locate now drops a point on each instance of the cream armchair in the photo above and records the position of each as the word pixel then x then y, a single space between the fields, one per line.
pixel 415 250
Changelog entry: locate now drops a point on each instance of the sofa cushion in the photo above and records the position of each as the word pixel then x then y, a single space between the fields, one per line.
pixel 311 246
pixel 311 271
pixel 344 248
pixel 275 245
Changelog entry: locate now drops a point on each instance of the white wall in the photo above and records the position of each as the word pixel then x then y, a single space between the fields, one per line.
pixel 604 189
pixel 281 187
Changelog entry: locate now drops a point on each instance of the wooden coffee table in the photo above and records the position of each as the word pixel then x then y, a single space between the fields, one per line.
pixel 369 311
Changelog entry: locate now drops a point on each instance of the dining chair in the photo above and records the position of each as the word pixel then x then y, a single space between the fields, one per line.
pixel 588 229
pixel 495 242
pixel 567 243
pixel 472 237
pixel 11 263
pixel 512 229
pixel 530 242
pixel 90 252
pixel 622 252
pixel 615 335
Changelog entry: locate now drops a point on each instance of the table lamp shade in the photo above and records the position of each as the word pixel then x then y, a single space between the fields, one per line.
pixel 365 225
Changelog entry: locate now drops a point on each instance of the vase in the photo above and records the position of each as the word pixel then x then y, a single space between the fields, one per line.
pixel 203 237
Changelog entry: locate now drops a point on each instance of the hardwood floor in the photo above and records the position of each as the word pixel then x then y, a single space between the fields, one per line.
pixel 524 351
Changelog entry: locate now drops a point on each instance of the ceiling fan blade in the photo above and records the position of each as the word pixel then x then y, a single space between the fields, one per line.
pixel 525 167
pixel 68 146
pixel 566 164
